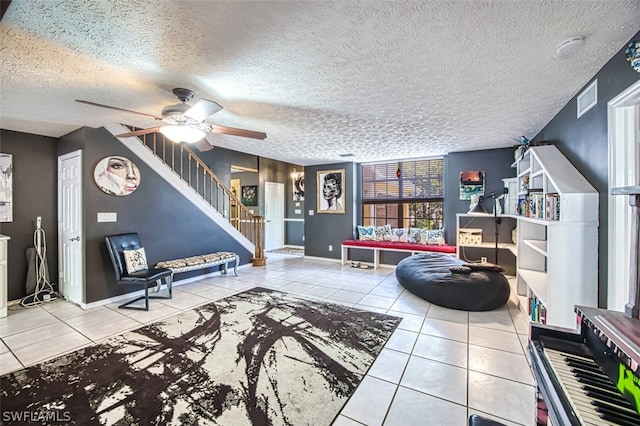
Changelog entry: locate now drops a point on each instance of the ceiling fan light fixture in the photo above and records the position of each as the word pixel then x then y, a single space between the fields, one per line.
pixel 186 134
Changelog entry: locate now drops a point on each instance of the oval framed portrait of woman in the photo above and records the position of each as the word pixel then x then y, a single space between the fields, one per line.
pixel 117 175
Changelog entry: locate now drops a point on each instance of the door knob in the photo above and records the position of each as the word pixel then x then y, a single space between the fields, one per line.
pixel 76 238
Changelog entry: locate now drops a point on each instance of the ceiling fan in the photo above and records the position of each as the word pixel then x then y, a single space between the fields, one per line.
pixel 184 122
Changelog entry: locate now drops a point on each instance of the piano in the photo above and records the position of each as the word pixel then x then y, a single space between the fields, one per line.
pixel 590 376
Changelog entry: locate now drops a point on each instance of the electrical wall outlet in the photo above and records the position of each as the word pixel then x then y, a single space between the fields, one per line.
pixel 483 259
pixel 107 217
pixel 330 248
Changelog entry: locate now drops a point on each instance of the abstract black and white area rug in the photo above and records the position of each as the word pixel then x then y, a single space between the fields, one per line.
pixel 261 357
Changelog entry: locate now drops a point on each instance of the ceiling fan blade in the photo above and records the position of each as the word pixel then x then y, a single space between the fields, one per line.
pixel 139 132
pixel 202 109
pixel 203 145
pixel 237 132
pixel 118 109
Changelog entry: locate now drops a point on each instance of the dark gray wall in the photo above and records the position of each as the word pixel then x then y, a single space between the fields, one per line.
pixel 584 142
pixel 220 161
pixel 156 206
pixel 496 163
pixel 322 230
pixel 156 211
pixel 34 194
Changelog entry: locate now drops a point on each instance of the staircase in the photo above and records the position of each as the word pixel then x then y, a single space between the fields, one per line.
pixel 184 170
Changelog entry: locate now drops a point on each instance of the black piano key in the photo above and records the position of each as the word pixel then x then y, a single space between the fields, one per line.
pixel 604 405
pixel 584 365
pixel 612 419
pixel 615 398
pixel 585 373
pixel 617 416
pixel 589 368
pixel 593 381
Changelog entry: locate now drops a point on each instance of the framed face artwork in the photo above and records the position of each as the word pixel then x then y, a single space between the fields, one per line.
pixel 117 175
pixel 471 183
pixel 331 195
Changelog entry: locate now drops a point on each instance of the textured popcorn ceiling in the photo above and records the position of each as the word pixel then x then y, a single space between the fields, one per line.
pixel 381 80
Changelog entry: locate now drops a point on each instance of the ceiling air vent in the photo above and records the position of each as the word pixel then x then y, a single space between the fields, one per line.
pixel 588 98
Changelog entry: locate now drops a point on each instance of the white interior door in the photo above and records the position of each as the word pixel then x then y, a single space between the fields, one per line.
pixel 273 215
pixel 70 238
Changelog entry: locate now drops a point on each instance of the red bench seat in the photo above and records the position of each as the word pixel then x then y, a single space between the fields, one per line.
pixel 378 246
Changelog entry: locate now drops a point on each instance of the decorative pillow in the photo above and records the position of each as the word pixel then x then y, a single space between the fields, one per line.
pixel 399 235
pixel 135 260
pixel 417 236
pixel 367 233
pixel 436 237
pixel 383 233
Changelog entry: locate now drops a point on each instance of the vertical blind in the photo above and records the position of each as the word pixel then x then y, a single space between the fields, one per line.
pixel 419 179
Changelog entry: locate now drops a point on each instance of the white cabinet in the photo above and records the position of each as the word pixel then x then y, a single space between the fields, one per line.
pixel 557 258
pixel 3 275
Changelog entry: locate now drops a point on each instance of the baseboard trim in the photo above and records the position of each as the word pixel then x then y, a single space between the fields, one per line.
pixel 176 283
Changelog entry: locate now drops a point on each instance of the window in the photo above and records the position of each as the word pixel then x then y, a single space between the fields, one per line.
pixel 413 199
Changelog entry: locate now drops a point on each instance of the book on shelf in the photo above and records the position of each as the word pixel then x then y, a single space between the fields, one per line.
pixel 552 206
pixel 532 205
pixel 537 311
pixel 536 205
pixel 523 207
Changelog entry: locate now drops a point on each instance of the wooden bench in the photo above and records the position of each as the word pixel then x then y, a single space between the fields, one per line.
pixel 378 246
pixel 203 261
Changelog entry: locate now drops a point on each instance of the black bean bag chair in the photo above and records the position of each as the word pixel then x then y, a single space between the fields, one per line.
pixel 448 281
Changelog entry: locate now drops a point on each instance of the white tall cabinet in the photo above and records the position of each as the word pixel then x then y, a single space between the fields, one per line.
pixel 3 275
pixel 557 250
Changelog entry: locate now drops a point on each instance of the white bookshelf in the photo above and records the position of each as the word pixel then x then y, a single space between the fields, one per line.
pixel 557 260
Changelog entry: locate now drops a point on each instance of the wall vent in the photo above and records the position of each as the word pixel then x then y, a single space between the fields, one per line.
pixel 588 98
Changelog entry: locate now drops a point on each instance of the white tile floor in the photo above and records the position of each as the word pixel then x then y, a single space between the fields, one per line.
pixel 439 367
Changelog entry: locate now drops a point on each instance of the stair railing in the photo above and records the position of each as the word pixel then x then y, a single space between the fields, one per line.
pixel 192 170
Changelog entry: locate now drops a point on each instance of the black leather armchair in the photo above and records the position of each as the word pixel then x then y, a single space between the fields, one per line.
pixel 116 244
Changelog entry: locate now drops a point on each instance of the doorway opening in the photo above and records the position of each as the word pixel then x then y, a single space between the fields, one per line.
pixel 624 170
